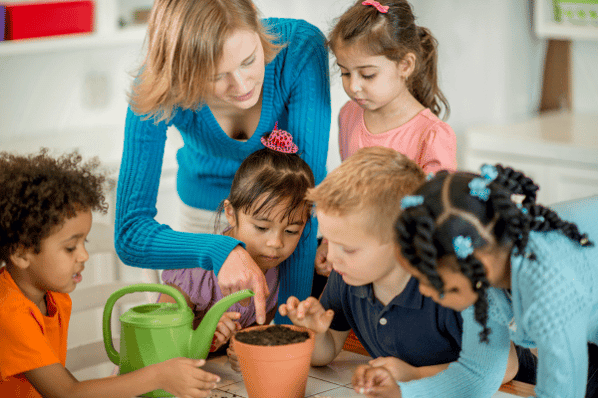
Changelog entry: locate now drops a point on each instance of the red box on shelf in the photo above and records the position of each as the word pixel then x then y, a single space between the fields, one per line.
pixel 36 19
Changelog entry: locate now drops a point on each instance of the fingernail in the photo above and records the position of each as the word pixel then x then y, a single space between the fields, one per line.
pixel 361 390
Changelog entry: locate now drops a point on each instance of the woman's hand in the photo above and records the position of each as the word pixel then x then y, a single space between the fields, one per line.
pixel 399 370
pixel 233 359
pixel 322 265
pixel 239 272
pixel 375 382
pixel 227 326
pixel 308 313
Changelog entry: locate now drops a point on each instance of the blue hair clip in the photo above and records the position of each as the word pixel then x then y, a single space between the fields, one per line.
pixel 523 209
pixel 479 188
pixel 489 172
pixel 430 176
pixel 411 200
pixel 463 246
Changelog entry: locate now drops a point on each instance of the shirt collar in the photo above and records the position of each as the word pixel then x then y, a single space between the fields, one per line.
pixel 410 297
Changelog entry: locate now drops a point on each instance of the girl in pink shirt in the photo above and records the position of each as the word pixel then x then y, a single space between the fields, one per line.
pixel 388 69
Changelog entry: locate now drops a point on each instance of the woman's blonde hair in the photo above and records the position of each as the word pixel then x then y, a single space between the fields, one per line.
pixel 185 43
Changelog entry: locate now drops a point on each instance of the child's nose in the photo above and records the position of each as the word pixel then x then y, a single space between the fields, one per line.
pixel 354 84
pixel 275 241
pixel 427 291
pixel 83 255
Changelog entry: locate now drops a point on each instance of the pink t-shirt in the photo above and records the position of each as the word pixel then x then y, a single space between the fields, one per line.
pixel 426 139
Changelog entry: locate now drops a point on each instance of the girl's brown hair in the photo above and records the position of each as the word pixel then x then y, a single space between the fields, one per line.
pixel 394 34
pixel 267 178
pixel 185 41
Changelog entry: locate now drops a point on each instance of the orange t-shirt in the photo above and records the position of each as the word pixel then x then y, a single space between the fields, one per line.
pixel 29 340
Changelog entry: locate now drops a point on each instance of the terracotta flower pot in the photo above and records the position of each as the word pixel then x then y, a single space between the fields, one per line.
pixel 275 371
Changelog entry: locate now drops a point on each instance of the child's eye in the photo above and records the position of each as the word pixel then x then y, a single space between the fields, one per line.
pixel 368 77
pixel 249 62
pixel 261 229
pixel 290 232
pixel 71 249
pixel 344 74
pixel 349 251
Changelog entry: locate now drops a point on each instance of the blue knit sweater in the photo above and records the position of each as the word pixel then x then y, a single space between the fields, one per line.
pixel 554 307
pixel 296 94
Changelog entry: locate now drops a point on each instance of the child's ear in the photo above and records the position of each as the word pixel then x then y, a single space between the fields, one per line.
pixel 229 213
pixel 21 257
pixel 407 65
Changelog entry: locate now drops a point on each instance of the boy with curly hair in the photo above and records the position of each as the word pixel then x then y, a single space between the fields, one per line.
pixel 46 209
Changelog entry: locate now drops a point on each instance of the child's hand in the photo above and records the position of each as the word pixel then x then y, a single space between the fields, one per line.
pixel 308 313
pixel 225 329
pixel 182 377
pixel 323 266
pixel 375 382
pixel 400 370
pixel 233 359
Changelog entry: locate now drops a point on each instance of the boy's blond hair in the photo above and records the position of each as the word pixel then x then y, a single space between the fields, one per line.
pixel 372 181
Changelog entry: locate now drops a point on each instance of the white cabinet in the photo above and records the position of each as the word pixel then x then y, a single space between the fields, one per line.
pixel 546 27
pixel 558 151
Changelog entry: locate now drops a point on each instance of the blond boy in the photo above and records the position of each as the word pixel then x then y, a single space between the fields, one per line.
pixel 368 291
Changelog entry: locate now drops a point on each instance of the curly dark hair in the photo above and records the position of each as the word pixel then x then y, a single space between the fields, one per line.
pixel 39 192
pixel 425 232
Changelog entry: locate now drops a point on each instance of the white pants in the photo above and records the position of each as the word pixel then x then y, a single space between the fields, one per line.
pixel 191 219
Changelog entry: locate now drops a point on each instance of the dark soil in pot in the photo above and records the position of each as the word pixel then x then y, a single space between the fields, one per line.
pixel 273 335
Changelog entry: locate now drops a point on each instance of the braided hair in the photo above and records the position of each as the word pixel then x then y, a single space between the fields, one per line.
pixel 450 208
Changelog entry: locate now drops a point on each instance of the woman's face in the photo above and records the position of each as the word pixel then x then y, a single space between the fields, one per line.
pixel 240 73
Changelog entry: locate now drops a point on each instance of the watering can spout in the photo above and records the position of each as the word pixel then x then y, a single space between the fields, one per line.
pixel 202 336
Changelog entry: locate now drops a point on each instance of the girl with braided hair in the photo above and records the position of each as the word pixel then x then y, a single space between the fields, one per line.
pixel 481 245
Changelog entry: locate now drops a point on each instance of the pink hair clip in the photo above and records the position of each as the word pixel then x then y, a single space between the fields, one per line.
pixel 280 141
pixel 374 3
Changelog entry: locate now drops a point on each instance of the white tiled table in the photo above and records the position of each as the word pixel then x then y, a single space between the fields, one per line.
pixel 333 380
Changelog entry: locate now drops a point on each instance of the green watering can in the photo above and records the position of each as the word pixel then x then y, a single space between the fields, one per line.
pixel 153 333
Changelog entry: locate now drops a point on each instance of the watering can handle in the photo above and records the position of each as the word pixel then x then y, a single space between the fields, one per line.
pixel 139 287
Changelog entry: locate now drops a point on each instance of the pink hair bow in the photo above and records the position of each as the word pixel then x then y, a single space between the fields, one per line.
pixel 280 141
pixel 374 3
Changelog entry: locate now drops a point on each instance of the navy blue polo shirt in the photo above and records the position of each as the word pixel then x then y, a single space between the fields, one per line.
pixel 411 327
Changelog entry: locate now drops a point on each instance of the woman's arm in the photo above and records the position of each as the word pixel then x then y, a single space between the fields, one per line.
pixel 140 240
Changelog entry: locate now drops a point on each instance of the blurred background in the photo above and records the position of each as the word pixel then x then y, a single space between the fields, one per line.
pixel 521 78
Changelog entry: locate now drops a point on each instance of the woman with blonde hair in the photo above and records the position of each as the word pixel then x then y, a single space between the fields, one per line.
pixel 223 78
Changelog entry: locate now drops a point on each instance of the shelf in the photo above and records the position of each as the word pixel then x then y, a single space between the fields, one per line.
pixel 125 36
pixel 547 28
